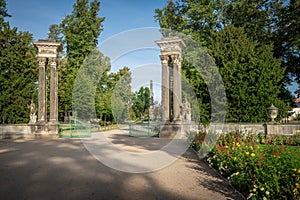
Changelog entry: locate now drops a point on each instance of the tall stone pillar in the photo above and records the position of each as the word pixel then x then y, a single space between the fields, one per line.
pixel 165 87
pixel 42 108
pixel 151 108
pixel 171 49
pixel 151 92
pixel 47 54
pixel 53 91
pixel 177 90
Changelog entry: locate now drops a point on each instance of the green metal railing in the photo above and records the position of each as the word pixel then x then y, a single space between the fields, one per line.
pixel 78 129
pixel 143 129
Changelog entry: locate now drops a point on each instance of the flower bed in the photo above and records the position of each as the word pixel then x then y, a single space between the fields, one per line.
pixel 258 171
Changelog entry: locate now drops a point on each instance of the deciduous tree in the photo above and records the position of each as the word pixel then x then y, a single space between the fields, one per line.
pixel 80 31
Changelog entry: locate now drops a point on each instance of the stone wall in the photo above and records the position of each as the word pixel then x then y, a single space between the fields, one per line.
pixel 28 131
pixel 282 129
pixel 256 128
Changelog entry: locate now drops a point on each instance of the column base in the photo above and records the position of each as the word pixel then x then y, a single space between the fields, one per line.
pixel 170 130
pixel 42 130
pixel 53 122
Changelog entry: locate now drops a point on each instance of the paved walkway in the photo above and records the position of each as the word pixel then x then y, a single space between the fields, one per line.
pixel 65 169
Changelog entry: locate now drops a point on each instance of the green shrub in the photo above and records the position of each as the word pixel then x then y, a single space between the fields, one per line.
pixel 296 139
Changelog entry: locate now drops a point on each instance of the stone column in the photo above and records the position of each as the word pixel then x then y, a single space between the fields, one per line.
pixel 42 108
pixel 177 96
pixel 53 91
pixel 151 110
pixel 165 94
pixel 151 92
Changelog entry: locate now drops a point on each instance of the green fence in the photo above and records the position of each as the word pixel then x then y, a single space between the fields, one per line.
pixel 144 129
pixel 77 129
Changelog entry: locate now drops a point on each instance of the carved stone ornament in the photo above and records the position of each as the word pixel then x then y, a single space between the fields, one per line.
pixel 42 61
pixel 164 59
pixel 53 61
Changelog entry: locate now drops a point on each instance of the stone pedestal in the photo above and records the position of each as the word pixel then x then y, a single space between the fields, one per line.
pixel 170 130
pixel 271 129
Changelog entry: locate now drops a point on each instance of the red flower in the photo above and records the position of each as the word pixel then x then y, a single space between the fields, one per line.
pixel 281 148
pixel 261 157
pixel 200 141
pixel 259 164
pixel 219 148
pixel 229 156
pixel 276 154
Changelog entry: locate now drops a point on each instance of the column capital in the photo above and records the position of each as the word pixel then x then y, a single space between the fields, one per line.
pixel 53 61
pixel 42 61
pixel 177 60
pixel 164 59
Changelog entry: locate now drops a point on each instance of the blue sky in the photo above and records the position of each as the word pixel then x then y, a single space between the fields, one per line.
pixel 35 16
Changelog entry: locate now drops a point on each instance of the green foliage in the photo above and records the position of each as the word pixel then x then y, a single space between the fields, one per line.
pixel 199 86
pixel 84 90
pixel 121 95
pixel 141 102
pixel 3 11
pixel 80 31
pixel 195 18
pixel 286 37
pixel 113 95
pixel 293 140
pixel 202 84
pixel 18 72
pixel 271 25
pixel 103 96
pixel 257 171
pixel 252 76
pixel 54 33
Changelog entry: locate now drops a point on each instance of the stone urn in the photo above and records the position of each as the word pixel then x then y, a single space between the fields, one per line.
pixel 273 112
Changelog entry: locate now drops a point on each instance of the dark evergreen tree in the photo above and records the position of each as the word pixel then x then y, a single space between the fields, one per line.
pixel 18 79
pixel 251 74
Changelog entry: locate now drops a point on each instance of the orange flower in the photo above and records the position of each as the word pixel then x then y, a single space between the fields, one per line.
pixel 276 154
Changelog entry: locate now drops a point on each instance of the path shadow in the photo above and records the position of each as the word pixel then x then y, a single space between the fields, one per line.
pixel 208 178
pixel 215 181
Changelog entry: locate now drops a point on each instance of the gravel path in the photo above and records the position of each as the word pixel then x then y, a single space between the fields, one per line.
pixel 64 169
